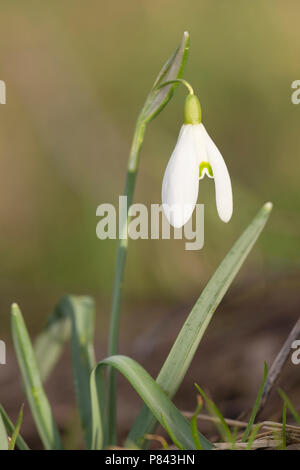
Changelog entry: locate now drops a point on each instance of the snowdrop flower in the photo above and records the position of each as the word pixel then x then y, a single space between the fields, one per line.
pixel 194 156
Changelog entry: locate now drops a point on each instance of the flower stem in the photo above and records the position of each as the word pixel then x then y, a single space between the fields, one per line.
pixel 178 80
pixel 132 169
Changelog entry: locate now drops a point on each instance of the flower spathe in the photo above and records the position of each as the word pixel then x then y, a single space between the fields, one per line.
pixel 195 155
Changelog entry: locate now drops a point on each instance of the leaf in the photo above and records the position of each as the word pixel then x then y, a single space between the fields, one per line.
pixel 171 433
pixel 50 343
pixel 252 436
pixel 289 405
pixel 188 339
pixel 284 427
pixel 173 68
pixel 215 412
pixel 73 316
pixel 193 423
pixel 256 405
pixel 16 431
pixel 3 436
pixel 82 313
pixel 35 393
pixel 157 401
pixel 21 444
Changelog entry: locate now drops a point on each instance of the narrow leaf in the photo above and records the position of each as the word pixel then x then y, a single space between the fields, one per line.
pixel 20 443
pixel 35 393
pixel 289 405
pixel 157 401
pixel 187 341
pixel 284 426
pixel 49 345
pixel 173 68
pixel 171 433
pixel 3 436
pixel 256 405
pixel 214 411
pixel 82 312
pixel 193 423
pixel 16 432
pixel 252 436
pixel 73 316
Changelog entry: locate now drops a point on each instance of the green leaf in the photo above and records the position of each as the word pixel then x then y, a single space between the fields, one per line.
pixel 193 423
pixel 16 430
pixel 215 412
pixel 49 345
pixel 187 341
pixel 256 405
pixel 3 436
pixel 157 401
pixel 21 444
pixel 82 313
pixel 252 436
pixel 173 68
pixel 76 316
pixel 284 426
pixel 35 393
pixel 289 405
pixel 171 434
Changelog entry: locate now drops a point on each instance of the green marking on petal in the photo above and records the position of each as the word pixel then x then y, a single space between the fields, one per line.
pixel 205 169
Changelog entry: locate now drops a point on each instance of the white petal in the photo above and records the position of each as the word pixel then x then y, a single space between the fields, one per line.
pixel 181 179
pixel 221 177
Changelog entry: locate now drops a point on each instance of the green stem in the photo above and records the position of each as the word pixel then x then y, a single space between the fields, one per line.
pixel 132 169
pixel 178 80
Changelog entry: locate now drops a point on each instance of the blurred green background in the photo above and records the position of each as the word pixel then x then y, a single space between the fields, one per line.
pixel 77 74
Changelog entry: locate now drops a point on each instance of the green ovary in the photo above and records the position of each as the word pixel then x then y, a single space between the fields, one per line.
pixel 207 166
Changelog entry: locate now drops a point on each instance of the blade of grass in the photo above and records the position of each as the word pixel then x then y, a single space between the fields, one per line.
pixel 256 405
pixel 215 412
pixel 289 405
pixel 3 436
pixel 234 437
pixel 187 341
pixel 150 393
pixel 252 436
pixel 171 434
pixel 16 430
pixel 21 444
pixel 193 423
pixel 284 426
pixel 35 393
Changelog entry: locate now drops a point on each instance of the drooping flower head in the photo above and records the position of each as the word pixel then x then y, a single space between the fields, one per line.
pixel 195 155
